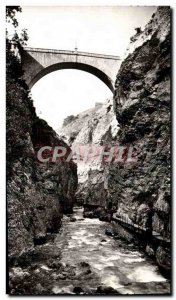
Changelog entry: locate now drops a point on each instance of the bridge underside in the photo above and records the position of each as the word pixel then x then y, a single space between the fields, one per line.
pixel 73 65
pixel 37 62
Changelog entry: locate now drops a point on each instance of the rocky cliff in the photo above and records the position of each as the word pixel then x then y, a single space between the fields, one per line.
pixel 94 127
pixel 37 193
pixel 142 106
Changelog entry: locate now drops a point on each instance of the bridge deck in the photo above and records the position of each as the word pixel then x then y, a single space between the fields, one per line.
pixel 105 56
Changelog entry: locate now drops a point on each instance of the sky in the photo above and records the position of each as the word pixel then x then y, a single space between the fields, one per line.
pixel 98 29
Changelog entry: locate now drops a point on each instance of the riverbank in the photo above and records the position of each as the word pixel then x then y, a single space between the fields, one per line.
pixel 82 259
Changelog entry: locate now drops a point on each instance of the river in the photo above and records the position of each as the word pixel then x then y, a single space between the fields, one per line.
pixel 81 259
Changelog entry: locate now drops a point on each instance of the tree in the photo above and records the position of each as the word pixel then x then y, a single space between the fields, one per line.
pixel 16 40
pixel 13 67
pixel 10 14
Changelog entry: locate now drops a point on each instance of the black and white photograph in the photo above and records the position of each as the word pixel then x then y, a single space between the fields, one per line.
pixel 88 150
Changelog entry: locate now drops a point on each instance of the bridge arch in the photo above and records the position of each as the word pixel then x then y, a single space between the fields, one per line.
pixel 77 66
pixel 38 62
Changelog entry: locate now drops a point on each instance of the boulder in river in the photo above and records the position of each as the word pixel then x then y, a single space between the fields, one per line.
pixel 109 232
pixel 78 290
pixel 72 219
pixel 106 290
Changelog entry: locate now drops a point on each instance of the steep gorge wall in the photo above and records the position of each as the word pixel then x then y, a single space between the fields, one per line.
pixel 37 193
pixel 142 106
pixel 97 127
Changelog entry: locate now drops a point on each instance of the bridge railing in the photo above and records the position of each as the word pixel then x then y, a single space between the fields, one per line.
pixel 114 57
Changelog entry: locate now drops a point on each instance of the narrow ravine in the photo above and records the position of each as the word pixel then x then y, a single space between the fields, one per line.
pixel 113 159
pixel 81 259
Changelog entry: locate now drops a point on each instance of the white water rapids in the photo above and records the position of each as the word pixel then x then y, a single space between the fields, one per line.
pixel 81 259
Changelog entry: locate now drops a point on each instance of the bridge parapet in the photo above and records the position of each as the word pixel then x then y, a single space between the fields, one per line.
pixel 38 62
pixel 88 54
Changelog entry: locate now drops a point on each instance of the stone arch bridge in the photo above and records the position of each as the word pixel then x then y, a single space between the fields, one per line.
pixel 37 62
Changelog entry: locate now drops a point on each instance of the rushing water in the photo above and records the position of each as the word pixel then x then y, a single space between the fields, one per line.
pixel 82 258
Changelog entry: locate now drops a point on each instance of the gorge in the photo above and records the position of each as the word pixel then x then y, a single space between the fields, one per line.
pixel 57 247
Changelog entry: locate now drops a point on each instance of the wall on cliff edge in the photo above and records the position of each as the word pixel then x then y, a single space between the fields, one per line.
pixel 142 106
pixel 37 193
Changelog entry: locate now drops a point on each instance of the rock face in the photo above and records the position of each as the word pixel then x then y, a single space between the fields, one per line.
pixel 97 127
pixel 142 107
pixel 37 193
